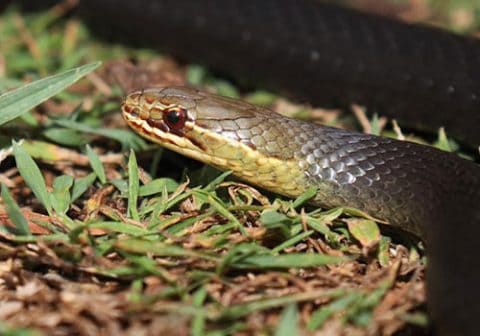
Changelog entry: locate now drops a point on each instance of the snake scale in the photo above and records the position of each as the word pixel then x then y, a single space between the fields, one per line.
pixel 325 54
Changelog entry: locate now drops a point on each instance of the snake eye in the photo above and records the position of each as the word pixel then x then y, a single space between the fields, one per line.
pixel 175 117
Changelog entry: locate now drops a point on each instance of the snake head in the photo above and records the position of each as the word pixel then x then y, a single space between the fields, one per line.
pixel 168 116
pixel 218 131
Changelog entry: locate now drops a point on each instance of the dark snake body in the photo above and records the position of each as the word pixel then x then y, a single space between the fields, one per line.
pixel 325 54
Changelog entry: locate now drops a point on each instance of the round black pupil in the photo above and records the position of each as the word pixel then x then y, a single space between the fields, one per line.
pixel 174 117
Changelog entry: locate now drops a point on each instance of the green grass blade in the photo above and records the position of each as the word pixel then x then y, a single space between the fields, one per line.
pixel 292 241
pixel 442 141
pixel 219 206
pixel 271 217
pixel 375 124
pixel 81 185
pixel 156 186
pixel 15 103
pixel 240 310
pixel 291 260
pixel 219 179
pixel 14 213
pixel 127 138
pixel 365 231
pixel 288 325
pixel 60 197
pixel 133 186
pixel 140 246
pixel 306 196
pixel 65 136
pixel 319 317
pixel 198 322
pixel 96 164
pixel 32 175
pixel 119 227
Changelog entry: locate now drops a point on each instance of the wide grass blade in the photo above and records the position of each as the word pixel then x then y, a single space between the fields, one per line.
pixel 292 260
pixel 96 164
pixel 32 175
pixel 14 213
pixel 81 185
pixel 288 325
pixel 133 186
pixel 60 197
pixel 15 103
pixel 127 138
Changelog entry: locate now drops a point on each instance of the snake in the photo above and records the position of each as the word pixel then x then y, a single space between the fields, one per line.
pixel 325 54
pixel 414 187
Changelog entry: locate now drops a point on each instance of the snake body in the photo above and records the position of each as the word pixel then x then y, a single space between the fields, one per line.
pixel 326 54
pixel 418 188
